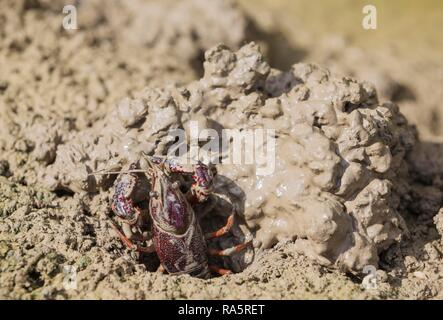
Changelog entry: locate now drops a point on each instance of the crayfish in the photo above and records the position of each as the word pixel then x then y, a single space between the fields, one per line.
pixel 176 235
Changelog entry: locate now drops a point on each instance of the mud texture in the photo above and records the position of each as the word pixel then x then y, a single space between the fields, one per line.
pixel 338 153
pixel 353 185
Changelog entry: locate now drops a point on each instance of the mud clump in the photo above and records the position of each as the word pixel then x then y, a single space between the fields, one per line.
pixel 342 150
pixel 438 220
pixel 339 152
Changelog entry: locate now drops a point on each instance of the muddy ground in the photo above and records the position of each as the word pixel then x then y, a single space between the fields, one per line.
pixel 56 83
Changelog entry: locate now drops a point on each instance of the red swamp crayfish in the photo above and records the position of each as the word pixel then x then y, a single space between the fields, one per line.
pixel 177 237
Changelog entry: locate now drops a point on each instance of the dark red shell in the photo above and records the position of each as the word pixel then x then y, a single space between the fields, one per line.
pixel 181 253
pixel 172 213
pixel 178 239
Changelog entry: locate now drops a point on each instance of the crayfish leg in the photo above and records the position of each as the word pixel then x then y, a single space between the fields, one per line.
pixel 128 243
pixel 223 230
pixel 219 270
pixel 229 251
pixel 161 269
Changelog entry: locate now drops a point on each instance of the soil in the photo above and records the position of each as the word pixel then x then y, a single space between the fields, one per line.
pixel 75 102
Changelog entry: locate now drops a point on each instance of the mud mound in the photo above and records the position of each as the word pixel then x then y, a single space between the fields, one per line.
pixel 338 156
pixel 352 184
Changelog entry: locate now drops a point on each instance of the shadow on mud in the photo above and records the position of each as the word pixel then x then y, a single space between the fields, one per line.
pixel 425 200
pixel 214 215
pixel 279 50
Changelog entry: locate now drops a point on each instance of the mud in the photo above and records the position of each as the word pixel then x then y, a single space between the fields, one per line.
pixel 355 184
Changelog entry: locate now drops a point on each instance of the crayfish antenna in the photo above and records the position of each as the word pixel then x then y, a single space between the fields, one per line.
pixel 99 172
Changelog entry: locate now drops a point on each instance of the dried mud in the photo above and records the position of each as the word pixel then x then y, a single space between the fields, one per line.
pixel 364 184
